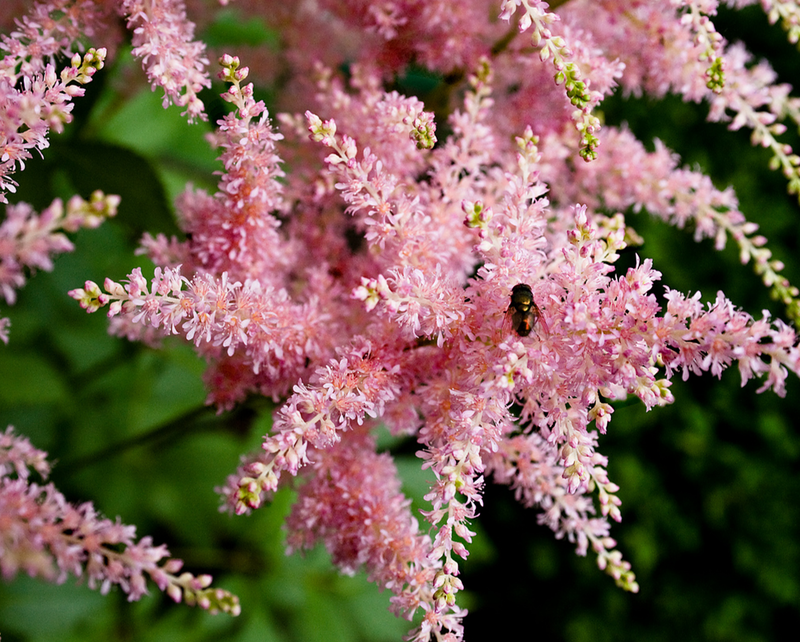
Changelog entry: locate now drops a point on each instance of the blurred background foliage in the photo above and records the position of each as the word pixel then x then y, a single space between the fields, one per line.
pixel 710 485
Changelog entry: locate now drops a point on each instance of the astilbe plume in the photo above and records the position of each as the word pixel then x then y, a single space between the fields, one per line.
pixel 43 103
pixel 600 337
pixel 372 282
pixel 28 240
pixel 162 37
pixel 45 536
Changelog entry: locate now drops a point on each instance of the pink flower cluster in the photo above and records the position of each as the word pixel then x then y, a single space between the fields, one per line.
pixel 353 503
pixel 45 536
pixel 35 97
pixel 358 266
pixel 430 351
pixel 163 39
pixel 28 240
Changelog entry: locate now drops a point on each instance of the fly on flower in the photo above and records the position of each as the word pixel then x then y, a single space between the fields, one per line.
pixel 523 311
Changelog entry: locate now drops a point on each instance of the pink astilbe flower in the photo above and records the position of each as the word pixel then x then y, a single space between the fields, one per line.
pixel 678 61
pixel 34 97
pixel 554 47
pixel 419 305
pixel 784 10
pixel 710 340
pixel 163 39
pixel 274 334
pixel 28 240
pixel 45 536
pixel 34 103
pixel 751 98
pixel 437 33
pixel 232 231
pixel 529 464
pixel 393 126
pixel 49 31
pixel 349 389
pixel 412 325
pixel 353 503
pixel 368 271
pixel 626 175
